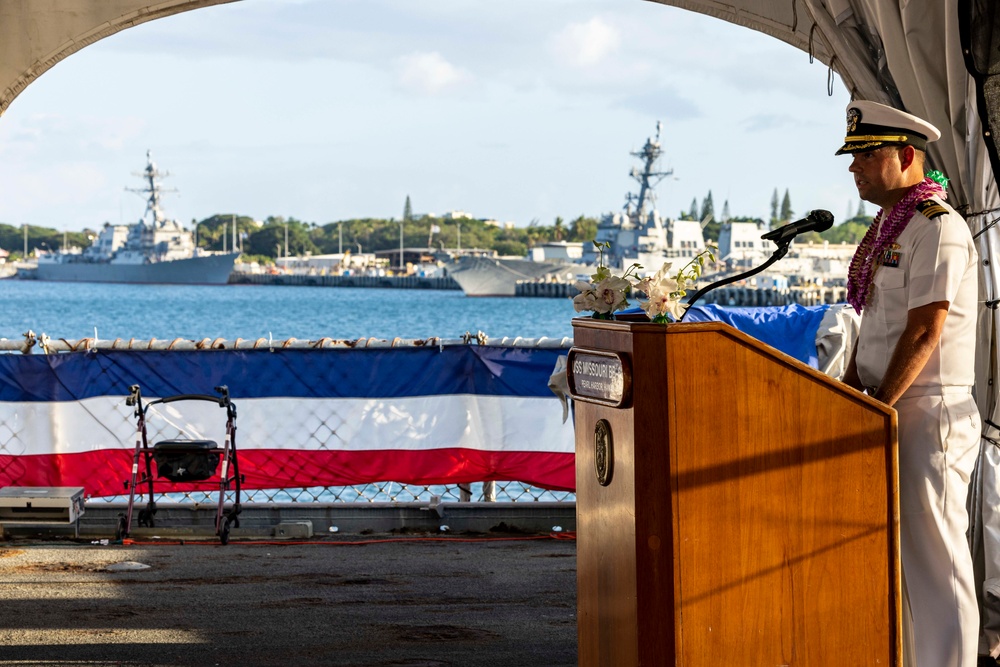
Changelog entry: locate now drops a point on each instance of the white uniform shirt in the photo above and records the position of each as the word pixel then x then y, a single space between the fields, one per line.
pixel 937 262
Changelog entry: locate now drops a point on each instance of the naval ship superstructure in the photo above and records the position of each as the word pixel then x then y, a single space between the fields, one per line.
pixel 638 234
pixel 153 250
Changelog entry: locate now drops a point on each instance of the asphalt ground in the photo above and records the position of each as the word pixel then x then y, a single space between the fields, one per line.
pixel 420 601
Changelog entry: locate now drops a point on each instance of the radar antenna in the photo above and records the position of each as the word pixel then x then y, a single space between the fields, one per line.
pixel 152 190
pixel 648 178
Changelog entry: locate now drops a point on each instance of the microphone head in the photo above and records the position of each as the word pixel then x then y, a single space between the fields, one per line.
pixel 822 219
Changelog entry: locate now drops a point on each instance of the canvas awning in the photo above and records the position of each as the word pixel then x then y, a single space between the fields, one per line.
pixel 940 61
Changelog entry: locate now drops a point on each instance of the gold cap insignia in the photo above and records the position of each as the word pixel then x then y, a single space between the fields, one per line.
pixel 853 116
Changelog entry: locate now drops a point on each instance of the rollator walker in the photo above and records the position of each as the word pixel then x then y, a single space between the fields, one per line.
pixel 182 460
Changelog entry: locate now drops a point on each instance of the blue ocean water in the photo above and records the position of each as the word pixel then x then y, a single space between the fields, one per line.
pixel 73 310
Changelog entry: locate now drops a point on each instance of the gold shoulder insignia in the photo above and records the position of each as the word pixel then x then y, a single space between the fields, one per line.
pixel 931 209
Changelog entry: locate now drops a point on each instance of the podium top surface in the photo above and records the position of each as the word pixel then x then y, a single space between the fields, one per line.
pixel 592 329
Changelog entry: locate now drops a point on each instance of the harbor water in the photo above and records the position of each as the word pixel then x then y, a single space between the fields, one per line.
pixel 195 312
pixel 143 312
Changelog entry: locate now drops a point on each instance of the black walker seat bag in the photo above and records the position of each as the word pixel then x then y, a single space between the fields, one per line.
pixel 186 460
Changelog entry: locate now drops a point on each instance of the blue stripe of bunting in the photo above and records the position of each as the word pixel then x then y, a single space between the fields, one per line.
pixel 390 373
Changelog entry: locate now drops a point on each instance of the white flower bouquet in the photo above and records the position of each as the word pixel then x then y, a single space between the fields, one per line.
pixel 664 289
pixel 607 293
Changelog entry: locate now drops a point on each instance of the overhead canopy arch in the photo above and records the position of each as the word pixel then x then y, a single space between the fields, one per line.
pixel 907 55
pixel 37 34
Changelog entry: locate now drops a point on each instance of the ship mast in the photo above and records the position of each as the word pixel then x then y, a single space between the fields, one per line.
pixel 646 199
pixel 152 176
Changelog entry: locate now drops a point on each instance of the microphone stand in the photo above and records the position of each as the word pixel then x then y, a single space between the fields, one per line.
pixel 782 250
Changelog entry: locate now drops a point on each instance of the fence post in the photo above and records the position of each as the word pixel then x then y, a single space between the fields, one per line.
pixel 489 492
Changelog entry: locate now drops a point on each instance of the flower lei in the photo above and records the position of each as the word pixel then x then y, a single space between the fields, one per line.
pixel 880 236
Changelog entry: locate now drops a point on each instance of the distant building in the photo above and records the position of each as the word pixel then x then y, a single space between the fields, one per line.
pixel 740 245
pixel 411 257
pixel 497 223
pixel 557 250
pixel 333 264
pixel 685 238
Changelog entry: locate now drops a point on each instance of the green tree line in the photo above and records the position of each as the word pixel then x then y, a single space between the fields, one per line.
pixel 266 241
pixel 12 239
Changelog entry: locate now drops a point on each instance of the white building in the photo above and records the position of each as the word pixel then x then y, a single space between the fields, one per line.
pixel 564 251
pixel 324 265
pixel 740 245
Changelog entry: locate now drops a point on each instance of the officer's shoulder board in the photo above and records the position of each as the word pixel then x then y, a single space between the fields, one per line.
pixel 931 209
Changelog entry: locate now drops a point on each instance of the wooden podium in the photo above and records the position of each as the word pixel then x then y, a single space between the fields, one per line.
pixel 734 506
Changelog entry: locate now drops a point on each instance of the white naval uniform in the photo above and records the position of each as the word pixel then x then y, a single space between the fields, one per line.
pixel 939 429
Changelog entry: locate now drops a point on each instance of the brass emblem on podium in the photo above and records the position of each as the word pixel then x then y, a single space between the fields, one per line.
pixel 604 453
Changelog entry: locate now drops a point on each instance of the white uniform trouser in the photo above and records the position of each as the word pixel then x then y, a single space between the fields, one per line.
pixel 938 446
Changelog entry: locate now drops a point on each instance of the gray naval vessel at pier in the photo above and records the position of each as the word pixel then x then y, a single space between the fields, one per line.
pixel 636 234
pixel 155 250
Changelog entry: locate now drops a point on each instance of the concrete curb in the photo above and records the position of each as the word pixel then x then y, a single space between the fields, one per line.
pixel 305 520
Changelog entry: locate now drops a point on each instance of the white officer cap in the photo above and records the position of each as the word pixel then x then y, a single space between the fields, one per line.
pixel 871 125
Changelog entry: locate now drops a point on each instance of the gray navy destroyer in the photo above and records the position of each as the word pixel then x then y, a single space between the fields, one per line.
pixel 155 250
pixel 637 234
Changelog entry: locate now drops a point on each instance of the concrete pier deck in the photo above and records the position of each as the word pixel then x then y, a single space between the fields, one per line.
pixel 361 600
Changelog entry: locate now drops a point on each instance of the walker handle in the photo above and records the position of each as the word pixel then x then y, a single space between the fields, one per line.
pixel 134 395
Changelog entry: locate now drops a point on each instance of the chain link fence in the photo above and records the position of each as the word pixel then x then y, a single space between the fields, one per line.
pixel 282 442
pixel 381 492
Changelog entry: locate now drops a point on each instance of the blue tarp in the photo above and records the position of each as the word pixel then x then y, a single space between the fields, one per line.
pixel 791 329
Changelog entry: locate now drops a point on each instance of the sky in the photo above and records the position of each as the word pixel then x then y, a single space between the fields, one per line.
pixel 518 111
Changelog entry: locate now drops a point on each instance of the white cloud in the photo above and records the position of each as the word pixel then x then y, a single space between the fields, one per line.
pixel 567 86
pixel 586 44
pixel 430 73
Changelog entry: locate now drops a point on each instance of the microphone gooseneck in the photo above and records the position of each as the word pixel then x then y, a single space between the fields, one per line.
pixel 815 221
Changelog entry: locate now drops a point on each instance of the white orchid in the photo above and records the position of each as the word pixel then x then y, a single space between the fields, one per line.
pixel 660 281
pixel 661 304
pixel 586 300
pixel 606 293
pixel 607 296
pixel 665 290
pixel 612 294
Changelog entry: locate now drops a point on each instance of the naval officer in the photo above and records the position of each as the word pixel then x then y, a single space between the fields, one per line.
pixel 914 281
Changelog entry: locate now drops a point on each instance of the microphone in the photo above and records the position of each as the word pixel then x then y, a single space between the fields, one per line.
pixel 815 221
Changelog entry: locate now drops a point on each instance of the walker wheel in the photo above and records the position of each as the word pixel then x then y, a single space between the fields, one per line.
pixel 224 533
pixel 146 518
pixel 121 531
